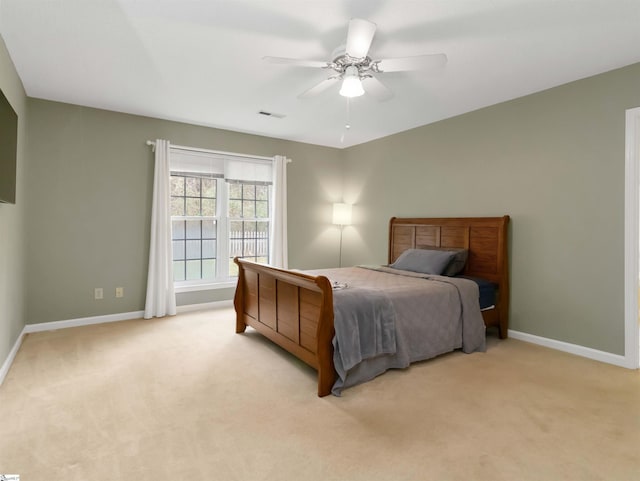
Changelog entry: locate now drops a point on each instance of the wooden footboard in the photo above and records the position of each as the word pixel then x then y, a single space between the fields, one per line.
pixel 292 309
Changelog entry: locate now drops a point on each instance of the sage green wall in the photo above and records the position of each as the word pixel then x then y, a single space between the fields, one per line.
pixel 554 161
pixel 90 185
pixel 12 235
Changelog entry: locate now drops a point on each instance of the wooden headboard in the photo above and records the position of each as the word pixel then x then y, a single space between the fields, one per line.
pixel 484 237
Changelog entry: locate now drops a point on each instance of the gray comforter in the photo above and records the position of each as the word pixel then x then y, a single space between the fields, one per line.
pixel 386 318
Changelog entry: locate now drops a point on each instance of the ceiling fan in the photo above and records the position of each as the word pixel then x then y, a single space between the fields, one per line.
pixel 352 64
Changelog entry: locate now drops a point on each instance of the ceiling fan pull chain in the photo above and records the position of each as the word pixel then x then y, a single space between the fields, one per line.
pixel 347 125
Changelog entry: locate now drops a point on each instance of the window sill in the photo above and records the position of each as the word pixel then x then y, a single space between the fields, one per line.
pixel 204 287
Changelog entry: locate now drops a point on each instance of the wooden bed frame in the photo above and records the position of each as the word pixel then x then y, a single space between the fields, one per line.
pixel 295 309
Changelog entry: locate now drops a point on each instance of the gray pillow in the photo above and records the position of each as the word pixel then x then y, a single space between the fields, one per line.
pixel 457 263
pixel 424 261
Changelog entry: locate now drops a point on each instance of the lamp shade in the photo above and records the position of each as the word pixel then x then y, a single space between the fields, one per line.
pixel 351 85
pixel 342 214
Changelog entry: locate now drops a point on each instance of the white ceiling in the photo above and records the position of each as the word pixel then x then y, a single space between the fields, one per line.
pixel 200 61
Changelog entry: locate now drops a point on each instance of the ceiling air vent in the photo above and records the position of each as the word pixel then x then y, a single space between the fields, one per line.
pixel 271 114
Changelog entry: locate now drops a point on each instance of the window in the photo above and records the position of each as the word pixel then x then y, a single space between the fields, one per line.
pixel 220 209
pixel 193 227
pixel 248 223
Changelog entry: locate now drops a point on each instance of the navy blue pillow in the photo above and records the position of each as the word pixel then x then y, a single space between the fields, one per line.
pixel 487 291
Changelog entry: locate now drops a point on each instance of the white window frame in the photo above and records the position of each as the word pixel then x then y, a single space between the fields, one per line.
pixel 222 279
pixel 222 220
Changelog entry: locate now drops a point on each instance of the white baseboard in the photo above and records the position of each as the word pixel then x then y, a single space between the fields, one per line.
pixel 12 354
pixel 87 321
pixel 83 321
pixel 582 351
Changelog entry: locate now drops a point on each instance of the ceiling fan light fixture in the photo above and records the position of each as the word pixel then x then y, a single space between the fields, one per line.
pixel 351 84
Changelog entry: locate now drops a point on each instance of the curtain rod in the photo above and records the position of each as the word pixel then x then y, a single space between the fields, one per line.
pixel 217 152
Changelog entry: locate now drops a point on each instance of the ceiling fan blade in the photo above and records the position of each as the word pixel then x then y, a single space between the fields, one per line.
pixel 296 62
pixel 319 88
pixel 376 89
pixel 359 37
pixel 418 62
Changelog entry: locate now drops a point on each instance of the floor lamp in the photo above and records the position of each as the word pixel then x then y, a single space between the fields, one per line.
pixel 341 217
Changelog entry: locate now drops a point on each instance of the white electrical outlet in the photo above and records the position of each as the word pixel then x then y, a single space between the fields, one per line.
pixel 119 291
pixel 97 293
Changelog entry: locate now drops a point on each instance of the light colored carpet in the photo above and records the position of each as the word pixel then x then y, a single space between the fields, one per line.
pixel 186 398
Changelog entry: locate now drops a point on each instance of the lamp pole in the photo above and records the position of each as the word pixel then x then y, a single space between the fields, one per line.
pixel 341 217
pixel 340 251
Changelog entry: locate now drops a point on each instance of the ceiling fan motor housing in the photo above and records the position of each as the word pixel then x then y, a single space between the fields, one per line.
pixel 341 61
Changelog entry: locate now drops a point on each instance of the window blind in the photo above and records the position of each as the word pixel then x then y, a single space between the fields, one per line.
pixel 244 170
pixel 232 169
pixel 196 163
